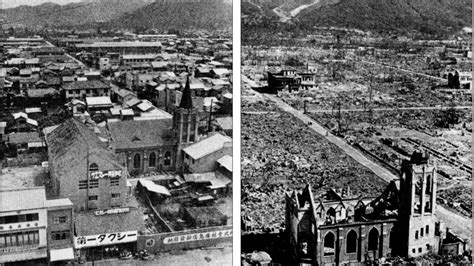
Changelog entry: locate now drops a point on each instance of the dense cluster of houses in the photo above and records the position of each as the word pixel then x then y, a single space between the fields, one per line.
pixel 114 116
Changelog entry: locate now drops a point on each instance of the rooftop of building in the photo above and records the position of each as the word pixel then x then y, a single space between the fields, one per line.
pixel 141 133
pixel 118 44
pixel 29 198
pixel 24 137
pixel 80 141
pixel 208 146
pixel 88 223
pixel 86 84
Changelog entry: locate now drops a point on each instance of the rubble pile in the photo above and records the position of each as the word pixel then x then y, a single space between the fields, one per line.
pixel 457 198
pixel 389 137
pixel 279 153
pixel 258 106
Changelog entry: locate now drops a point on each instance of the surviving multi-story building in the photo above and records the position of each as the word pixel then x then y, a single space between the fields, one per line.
pixel 33 228
pixel 93 178
pixel 88 88
pixel 285 79
pixel 339 229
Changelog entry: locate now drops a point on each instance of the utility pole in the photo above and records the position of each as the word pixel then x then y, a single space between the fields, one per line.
pixel 370 96
pixel 210 116
pixel 339 117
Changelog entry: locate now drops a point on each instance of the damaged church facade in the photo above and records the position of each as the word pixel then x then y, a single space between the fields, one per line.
pixel 339 229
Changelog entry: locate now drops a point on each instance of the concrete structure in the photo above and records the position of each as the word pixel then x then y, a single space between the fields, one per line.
pixel 32 227
pixel 340 229
pixel 87 173
pixel 285 79
pixel 92 177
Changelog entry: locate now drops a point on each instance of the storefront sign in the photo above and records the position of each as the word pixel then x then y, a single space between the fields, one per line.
pixel 105 239
pixel 112 211
pixel 17 249
pixel 106 174
pixel 198 236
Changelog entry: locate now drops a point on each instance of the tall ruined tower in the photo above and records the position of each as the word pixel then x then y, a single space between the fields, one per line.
pixel 185 124
pixel 418 226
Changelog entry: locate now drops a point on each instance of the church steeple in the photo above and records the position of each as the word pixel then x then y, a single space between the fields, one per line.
pixel 186 99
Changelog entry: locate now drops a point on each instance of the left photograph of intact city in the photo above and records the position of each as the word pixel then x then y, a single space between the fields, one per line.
pixel 116 132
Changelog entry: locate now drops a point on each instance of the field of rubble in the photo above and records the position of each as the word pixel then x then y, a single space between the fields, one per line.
pixel 356 94
pixel 389 137
pixel 279 154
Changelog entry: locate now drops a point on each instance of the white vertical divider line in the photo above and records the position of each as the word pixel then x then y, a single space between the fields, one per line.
pixel 472 91
pixel 236 46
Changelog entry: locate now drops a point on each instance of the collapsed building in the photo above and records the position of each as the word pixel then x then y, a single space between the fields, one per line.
pixel 342 229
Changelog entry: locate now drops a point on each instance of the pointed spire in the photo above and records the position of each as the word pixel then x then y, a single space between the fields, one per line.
pixel 186 100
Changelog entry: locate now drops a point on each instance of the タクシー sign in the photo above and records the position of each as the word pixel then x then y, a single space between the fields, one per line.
pixel 105 239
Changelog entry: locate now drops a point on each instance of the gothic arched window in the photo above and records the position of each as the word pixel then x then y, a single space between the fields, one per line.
pixel 351 242
pixel 137 161
pixel 152 160
pixel 329 241
pixel 373 239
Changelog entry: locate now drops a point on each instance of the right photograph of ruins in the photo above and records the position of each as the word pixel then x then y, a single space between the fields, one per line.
pixel 356 145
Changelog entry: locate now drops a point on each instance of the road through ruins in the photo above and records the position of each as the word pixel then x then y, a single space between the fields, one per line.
pixel 457 223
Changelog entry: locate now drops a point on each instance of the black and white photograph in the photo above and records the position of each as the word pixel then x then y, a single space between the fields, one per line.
pixel 356 132
pixel 220 132
pixel 116 132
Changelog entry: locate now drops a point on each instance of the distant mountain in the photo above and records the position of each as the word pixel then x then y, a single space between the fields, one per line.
pixel 434 17
pixel 426 16
pixel 86 12
pixel 162 14
pixel 203 14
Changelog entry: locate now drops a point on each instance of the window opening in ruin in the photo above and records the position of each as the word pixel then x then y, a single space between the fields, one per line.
pixel 329 241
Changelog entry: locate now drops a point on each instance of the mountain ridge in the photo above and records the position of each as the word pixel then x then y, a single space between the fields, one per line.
pixel 128 14
pixel 439 17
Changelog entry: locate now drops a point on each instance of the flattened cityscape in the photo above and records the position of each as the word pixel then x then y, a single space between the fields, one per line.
pixel 356 132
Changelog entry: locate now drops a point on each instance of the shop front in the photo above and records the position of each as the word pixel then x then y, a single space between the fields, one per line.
pixel 105 246
pixel 62 256
pixel 24 255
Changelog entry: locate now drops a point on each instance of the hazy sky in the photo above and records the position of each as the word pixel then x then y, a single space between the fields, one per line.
pixel 15 3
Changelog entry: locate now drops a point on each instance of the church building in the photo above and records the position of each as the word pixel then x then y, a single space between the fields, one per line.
pixel 340 229
pixel 147 146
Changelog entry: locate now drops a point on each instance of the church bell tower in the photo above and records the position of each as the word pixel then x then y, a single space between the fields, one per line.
pixel 419 227
pixel 185 123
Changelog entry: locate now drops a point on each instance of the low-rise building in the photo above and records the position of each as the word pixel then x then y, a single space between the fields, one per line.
pixel 33 228
pixel 88 88
pixel 202 156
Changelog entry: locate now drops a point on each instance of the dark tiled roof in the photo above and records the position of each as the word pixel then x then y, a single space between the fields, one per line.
pixel 70 143
pixel 89 84
pixel 87 223
pixel 24 137
pixel 141 133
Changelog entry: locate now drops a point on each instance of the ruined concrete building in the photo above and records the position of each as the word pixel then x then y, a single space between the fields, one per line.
pixel 340 229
